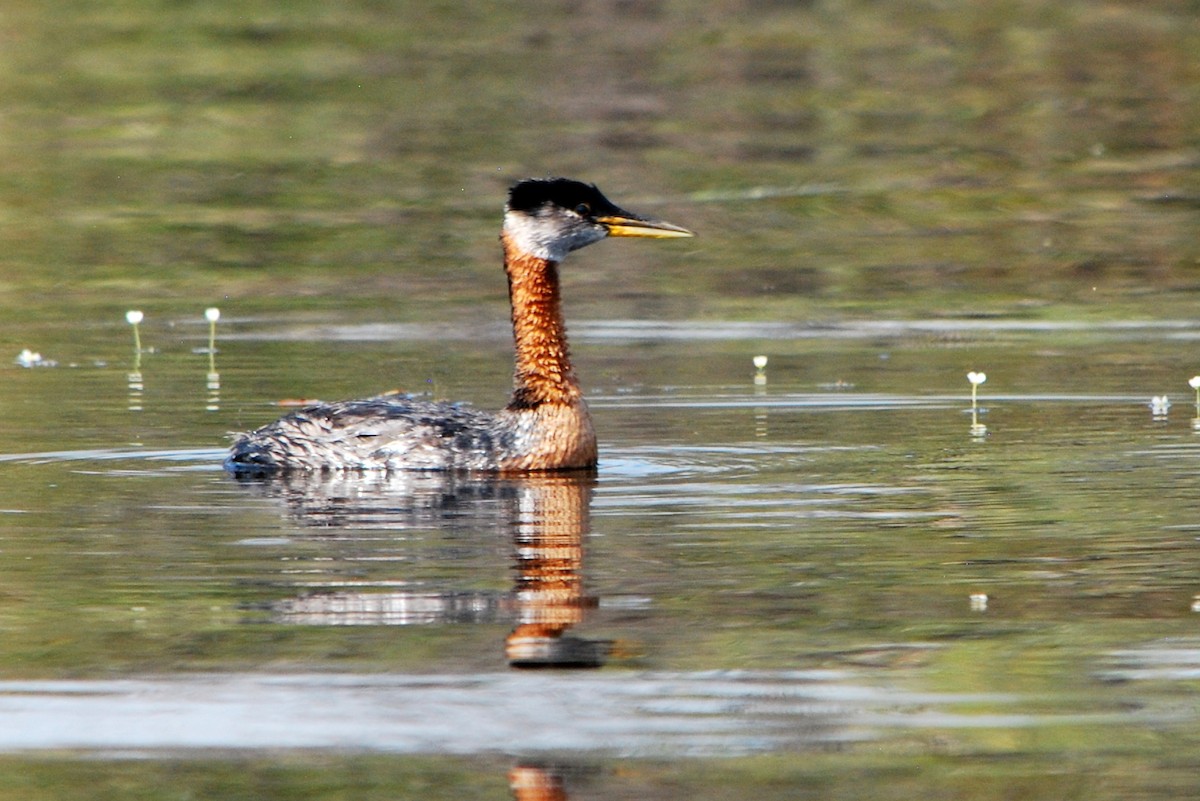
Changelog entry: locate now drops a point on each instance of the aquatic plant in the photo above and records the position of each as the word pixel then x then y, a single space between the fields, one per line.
pixel 976 378
pixel 213 378
pixel 212 314
pixel 760 371
pixel 30 358
pixel 134 317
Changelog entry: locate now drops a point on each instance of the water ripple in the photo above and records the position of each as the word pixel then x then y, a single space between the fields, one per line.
pixel 210 456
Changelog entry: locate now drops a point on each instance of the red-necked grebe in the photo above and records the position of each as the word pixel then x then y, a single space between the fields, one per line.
pixel 545 426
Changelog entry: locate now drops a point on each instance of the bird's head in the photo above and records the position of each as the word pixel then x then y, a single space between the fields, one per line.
pixel 550 217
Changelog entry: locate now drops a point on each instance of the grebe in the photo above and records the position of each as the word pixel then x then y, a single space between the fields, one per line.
pixel 545 426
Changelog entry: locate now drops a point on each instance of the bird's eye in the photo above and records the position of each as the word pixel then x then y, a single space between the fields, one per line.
pixel 583 209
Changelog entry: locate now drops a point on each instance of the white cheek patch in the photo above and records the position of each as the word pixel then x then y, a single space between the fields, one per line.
pixel 539 236
pixel 529 237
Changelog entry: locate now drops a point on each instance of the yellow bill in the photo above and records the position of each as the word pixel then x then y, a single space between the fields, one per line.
pixel 620 225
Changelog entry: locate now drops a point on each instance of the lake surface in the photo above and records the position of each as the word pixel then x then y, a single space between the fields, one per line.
pixel 830 577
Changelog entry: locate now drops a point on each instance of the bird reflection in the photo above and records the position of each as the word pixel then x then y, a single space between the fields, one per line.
pixel 536 783
pixel 552 517
pixel 546 517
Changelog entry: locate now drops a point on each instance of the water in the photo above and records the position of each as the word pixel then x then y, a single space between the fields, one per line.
pixel 831 579
pixel 759 569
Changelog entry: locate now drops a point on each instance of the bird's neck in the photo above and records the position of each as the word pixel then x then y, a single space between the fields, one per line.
pixel 543 364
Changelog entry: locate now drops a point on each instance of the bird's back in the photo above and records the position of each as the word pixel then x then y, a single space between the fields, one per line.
pixel 385 432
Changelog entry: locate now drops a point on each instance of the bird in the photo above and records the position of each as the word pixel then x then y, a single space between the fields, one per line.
pixel 544 427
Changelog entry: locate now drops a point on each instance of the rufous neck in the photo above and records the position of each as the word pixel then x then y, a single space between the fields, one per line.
pixel 543 362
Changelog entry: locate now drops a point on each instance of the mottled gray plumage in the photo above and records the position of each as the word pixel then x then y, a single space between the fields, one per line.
pixel 390 432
